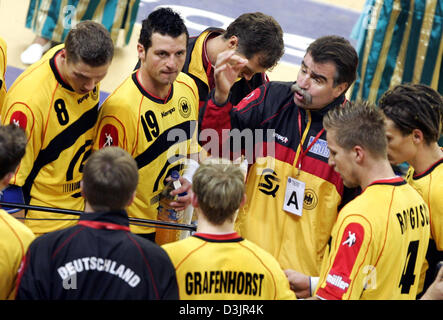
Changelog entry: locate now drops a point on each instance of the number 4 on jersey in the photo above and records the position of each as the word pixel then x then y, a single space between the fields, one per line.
pixel 408 276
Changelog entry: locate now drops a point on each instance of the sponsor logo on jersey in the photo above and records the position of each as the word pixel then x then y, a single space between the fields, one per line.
pixel 310 200
pixel 337 281
pixel 108 136
pixel 319 148
pixel 93 93
pixel 184 107
pixel 167 113
pixel 279 137
pixel 269 182
pixel 19 119
pixel 86 96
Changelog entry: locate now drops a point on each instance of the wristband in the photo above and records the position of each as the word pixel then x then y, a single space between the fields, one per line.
pixel 191 167
pixel 313 282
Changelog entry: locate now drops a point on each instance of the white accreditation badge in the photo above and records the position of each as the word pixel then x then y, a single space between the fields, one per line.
pixel 294 196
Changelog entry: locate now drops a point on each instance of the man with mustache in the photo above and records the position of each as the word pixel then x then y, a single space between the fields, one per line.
pixel 149 110
pixel 292 199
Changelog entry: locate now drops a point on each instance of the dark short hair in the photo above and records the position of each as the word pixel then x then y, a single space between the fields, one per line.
pixel 414 106
pixel 260 34
pixel 90 43
pixel 110 177
pixel 360 123
pixel 12 148
pixel 164 21
pixel 340 52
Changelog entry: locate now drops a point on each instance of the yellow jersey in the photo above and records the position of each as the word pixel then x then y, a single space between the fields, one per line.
pixel 226 267
pixel 3 64
pixel 59 124
pixel 15 239
pixel 430 186
pixel 159 134
pixel 378 245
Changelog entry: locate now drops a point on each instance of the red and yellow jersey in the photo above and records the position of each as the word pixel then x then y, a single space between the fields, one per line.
pixel 15 239
pixel 378 245
pixel 430 186
pixel 3 64
pixel 159 134
pixel 226 267
pixel 286 142
pixel 59 124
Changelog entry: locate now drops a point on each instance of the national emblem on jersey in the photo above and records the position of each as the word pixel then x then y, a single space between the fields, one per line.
pixel 108 136
pixel 19 119
pixel 184 107
pixel 94 93
pixel 310 200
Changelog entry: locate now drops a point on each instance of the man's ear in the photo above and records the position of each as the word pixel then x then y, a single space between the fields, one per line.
pixel 340 89
pixel 243 200
pixel 81 189
pixel 359 154
pixel 233 43
pixel 131 200
pixel 141 52
pixel 5 180
pixel 194 200
pixel 417 136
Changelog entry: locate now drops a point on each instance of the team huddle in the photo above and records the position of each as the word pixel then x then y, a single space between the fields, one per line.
pixel 323 209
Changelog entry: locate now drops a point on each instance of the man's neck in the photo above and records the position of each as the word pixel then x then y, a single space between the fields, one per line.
pixel 204 226
pixel 214 46
pixel 60 64
pixel 88 208
pixel 159 90
pixel 426 156
pixel 376 170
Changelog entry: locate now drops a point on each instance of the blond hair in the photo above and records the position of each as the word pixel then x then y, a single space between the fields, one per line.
pixel 219 187
pixel 360 123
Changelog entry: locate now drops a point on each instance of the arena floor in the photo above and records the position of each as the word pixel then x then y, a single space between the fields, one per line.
pixel 301 20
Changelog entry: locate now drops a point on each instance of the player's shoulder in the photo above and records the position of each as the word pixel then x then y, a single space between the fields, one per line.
pixel 3 55
pixel 125 99
pixel 253 251
pixel 437 171
pixel 2 43
pixel 281 86
pixel 34 84
pixel 185 79
pixel 184 249
pixel 179 246
pixel 16 229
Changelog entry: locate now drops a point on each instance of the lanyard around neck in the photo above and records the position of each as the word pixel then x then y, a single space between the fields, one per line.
pixel 302 153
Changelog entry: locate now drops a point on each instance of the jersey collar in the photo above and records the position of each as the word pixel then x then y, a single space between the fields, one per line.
pixel 149 95
pixel 427 171
pixel 111 220
pixel 56 72
pixel 227 237
pixel 396 181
